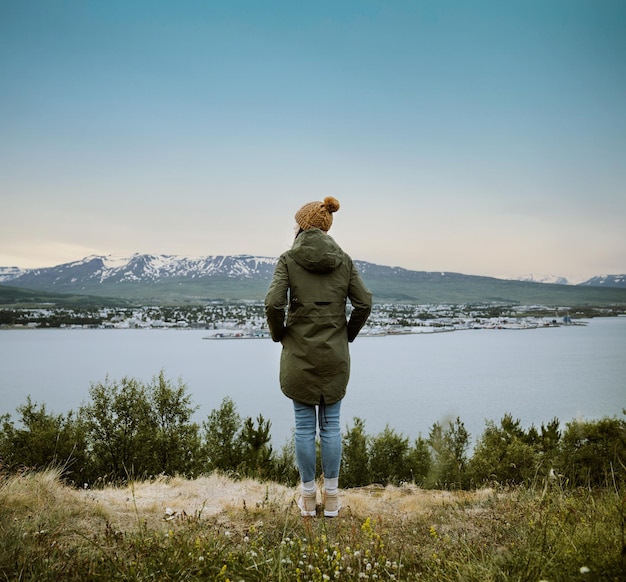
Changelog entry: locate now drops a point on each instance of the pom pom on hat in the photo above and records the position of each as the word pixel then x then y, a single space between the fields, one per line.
pixel 317 214
pixel 331 204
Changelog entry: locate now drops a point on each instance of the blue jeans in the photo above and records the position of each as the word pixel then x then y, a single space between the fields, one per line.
pixel 330 439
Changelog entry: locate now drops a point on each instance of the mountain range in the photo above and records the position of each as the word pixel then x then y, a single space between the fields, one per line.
pixel 172 278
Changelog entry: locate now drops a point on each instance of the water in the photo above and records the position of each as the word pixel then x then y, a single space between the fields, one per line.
pixel 408 382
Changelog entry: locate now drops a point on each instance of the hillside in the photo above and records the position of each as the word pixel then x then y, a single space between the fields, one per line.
pixel 19 297
pixel 172 279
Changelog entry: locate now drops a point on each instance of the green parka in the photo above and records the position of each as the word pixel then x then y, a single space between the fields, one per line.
pixel 313 279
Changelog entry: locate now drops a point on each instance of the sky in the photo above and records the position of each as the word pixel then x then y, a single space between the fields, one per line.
pixel 480 137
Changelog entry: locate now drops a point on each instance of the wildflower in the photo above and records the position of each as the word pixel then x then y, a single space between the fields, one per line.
pixel 584 570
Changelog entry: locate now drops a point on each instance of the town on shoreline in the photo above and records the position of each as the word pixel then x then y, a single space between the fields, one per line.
pixel 246 319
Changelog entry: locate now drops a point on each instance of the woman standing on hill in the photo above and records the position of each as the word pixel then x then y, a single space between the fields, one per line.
pixel 312 281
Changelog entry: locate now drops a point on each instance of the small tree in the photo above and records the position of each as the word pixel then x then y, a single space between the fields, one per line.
pixel 222 447
pixel 449 446
pixel 177 445
pixel 44 440
pixel 420 461
pixel 549 444
pixel 389 458
pixel 141 430
pixel 354 458
pixel 594 452
pixel 256 450
pixel 120 431
pixel 510 455
pixel 285 469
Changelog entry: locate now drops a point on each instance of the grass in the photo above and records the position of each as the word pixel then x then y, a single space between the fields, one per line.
pixel 213 528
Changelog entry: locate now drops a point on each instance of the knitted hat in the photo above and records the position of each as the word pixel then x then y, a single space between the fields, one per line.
pixel 317 214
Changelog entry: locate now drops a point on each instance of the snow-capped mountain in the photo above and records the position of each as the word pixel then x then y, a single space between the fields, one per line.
pixel 137 267
pixel 103 271
pixel 163 278
pixel 616 281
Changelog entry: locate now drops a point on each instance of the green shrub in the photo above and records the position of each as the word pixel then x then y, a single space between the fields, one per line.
pixel 355 471
pixel 507 454
pixel 45 440
pixel 593 453
pixel 256 450
pixel 222 448
pixel 137 430
pixel 239 448
pixel 177 442
pixel 420 461
pixel 449 444
pixel 389 458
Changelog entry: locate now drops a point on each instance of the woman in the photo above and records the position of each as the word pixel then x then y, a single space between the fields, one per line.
pixel 312 281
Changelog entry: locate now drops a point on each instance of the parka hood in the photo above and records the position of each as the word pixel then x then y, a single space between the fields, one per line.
pixel 316 251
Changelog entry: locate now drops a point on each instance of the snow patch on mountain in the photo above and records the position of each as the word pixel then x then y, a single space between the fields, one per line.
pixel 534 278
pixel 606 281
pixel 112 261
pixel 10 273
